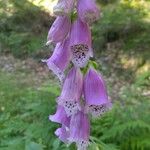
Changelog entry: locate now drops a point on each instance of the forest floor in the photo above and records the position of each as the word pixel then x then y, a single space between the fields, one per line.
pixel 28 91
pixel 33 73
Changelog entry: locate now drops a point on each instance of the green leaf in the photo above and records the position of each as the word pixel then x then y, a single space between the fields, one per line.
pixel 33 146
pixel 56 144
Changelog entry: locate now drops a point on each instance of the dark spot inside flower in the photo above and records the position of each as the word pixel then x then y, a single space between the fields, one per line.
pixel 95 109
pixel 98 109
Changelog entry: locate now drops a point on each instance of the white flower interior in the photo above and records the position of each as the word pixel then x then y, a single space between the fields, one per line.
pixel 82 145
pixel 71 107
pixel 98 110
pixel 80 55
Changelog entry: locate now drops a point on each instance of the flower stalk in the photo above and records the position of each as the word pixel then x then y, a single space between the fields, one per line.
pixel 84 92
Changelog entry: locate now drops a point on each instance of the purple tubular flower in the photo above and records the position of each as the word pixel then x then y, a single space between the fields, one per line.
pixel 71 91
pixel 59 30
pixel 60 117
pixel 95 93
pixel 63 134
pixel 63 7
pixel 88 11
pixel 80 130
pixel 80 42
pixel 59 59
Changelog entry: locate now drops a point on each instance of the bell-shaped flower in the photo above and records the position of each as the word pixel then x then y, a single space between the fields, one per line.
pixel 71 91
pixel 59 59
pixel 63 134
pixel 63 7
pixel 95 93
pixel 80 43
pixel 59 30
pixel 80 130
pixel 88 11
pixel 60 117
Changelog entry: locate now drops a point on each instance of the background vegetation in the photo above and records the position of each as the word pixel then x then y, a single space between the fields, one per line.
pixel 28 91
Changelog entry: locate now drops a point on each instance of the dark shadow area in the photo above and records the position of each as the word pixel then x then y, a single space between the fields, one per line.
pixel 23 27
pixel 122 38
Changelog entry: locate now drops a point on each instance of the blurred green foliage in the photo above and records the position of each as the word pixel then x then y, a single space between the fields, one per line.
pixel 23 27
pixel 127 21
pixel 25 109
pixel 24 123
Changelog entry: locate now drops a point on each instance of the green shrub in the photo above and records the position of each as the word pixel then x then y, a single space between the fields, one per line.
pixel 23 27
pixel 24 123
pixel 123 20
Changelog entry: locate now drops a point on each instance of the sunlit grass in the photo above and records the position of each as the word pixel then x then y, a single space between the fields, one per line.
pixel 46 4
pixel 6 8
pixel 143 69
pixel 130 62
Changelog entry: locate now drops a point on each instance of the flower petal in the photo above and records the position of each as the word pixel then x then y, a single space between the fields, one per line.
pixel 63 7
pixel 59 59
pixel 80 130
pixel 80 43
pixel 59 29
pixel 63 134
pixel 88 11
pixel 60 117
pixel 71 91
pixel 95 93
pixel 98 110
